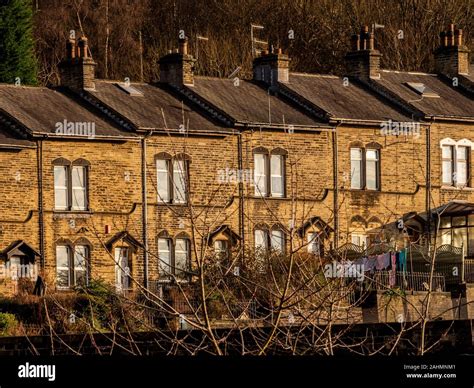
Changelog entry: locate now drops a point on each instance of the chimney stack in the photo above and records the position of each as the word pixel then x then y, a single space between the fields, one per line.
pixel 272 67
pixel 77 70
pixel 363 61
pixel 452 56
pixel 178 68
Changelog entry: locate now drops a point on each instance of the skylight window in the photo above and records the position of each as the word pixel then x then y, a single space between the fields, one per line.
pixel 422 89
pixel 127 88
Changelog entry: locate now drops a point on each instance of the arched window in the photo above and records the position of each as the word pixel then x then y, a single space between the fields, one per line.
pixel 267 239
pixel 358 231
pixel 72 263
pixel 174 256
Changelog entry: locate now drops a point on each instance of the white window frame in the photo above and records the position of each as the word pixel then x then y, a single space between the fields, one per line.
pixel 175 174
pixel 313 239
pixel 359 239
pixel 263 236
pixel 85 258
pixel 122 272
pixel 221 248
pixel 260 176
pixel 71 267
pixel 266 176
pixel 278 176
pixel 165 261
pixel 163 174
pixel 63 189
pixel 181 273
pixel 277 240
pixel 180 184
pixel 82 190
pixel 376 162
pixel 360 163
pixel 66 268
pixel 456 162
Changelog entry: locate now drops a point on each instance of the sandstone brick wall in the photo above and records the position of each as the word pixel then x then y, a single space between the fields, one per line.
pixel 411 307
pixel 18 197
pixel 309 184
pixel 456 132
pixel 115 188
pixel 403 176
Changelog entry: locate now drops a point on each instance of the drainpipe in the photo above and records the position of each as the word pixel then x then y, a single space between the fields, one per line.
pixel 39 161
pixel 144 212
pixel 241 197
pixel 428 176
pixel 336 186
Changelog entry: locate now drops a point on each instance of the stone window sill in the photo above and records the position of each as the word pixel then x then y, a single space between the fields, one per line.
pixel 454 188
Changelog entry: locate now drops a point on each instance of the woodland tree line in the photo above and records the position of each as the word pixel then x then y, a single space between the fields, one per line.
pixel 128 37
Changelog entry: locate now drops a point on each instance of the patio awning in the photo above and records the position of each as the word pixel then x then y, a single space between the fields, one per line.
pixel 454 208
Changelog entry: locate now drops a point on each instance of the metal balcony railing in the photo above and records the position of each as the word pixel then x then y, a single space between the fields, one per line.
pixel 408 281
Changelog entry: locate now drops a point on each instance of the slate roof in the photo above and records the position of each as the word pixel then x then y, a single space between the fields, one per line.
pixel 38 109
pixel 157 108
pixel 249 103
pixel 451 103
pixel 351 102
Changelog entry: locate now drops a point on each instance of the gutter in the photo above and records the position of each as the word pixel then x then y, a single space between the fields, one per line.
pixel 303 128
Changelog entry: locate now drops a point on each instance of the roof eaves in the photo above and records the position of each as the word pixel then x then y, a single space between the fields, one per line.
pixel 304 103
pixel 15 125
pixel 394 98
pixel 204 104
pixel 108 111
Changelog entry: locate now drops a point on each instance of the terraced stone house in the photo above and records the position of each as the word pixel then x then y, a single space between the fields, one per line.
pixel 129 182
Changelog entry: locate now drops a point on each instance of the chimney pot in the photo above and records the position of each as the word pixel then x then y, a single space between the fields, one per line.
pixel 77 70
pixel 451 57
pixel 450 37
pixel 178 70
pixel 458 37
pixel 355 42
pixel 272 67
pixel 70 48
pixel 183 46
pixel 443 39
pixel 83 47
pixel 371 41
pixel 363 61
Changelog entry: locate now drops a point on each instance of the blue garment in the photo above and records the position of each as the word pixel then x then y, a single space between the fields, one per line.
pixel 402 260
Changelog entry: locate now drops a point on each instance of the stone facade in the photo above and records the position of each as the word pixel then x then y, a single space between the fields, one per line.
pixel 317 174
